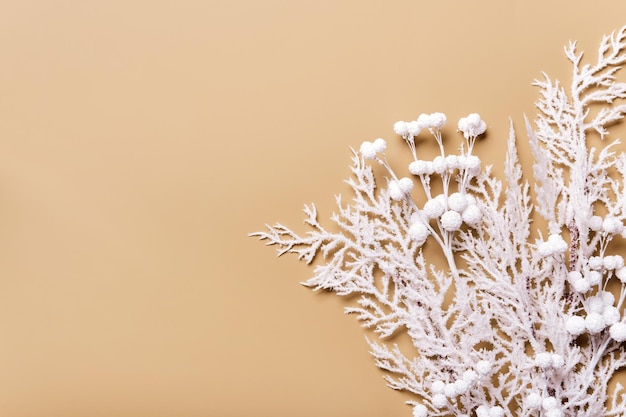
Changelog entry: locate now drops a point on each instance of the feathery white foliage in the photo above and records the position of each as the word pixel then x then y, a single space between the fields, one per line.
pixel 510 326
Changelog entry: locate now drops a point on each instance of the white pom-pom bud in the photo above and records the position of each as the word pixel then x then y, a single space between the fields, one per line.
pixel 594 322
pixel 439 400
pixel 461 386
pixel 581 285
pixel 380 145
pixel 608 299
pixel 618 332
pixel 621 274
pixel 611 315
pixel 394 191
pixel 420 168
pixel 437 120
pixel 496 411
pixel 450 390
pixel 451 221
pixel 619 261
pixel 420 410
pixel 413 128
pixel 472 214
pixel 481 128
pixel 612 262
pixel 557 361
pixel 367 150
pixel 472 125
pixel 612 226
pixel 418 232
pixel 434 208
pixel 462 125
pixel 439 164
pixel 405 184
pixel 457 202
pixel 472 165
pixel 558 243
pixel 553 246
pixel 483 367
pixel 472 162
pixel 574 276
pixel 437 387
pixel 470 375
pixel 423 121
pixel 452 162
pixel 549 403
pixel 543 360
pixel 473 119
pixel 575 325
pixel 533 400
pixel 595 223
pixel 595 305
pixel 401 128
pixel 594 277
pixel 595 262
pixel 482 411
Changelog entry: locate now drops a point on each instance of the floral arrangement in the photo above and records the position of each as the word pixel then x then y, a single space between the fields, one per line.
pixel 526 318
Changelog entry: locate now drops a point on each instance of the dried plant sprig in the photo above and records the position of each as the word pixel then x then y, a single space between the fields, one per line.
pixel 511 325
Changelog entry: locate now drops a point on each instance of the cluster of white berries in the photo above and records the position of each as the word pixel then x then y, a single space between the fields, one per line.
pixel 398 189
pixel 599 308
pixel 440 164
pixel 453 210
pixel 583 283
pixel 555 245
pixel 610 263
pixel 596 266
pixel 484 411
pixel 431 121
pixel 550 405
pixel 472 126
pixel 369 150
pixel 609 225
pixel 407 129
pixel 424 121
pixel 601 313
pixel 547 360
pixel 443 392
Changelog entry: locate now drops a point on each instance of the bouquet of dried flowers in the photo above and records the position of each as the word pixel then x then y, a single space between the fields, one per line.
pixel 525 319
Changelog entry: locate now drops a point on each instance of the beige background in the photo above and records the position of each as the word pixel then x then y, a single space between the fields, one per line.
pixel 140 141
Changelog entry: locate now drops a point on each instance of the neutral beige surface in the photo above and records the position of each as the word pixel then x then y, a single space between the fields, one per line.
pixel 140 141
